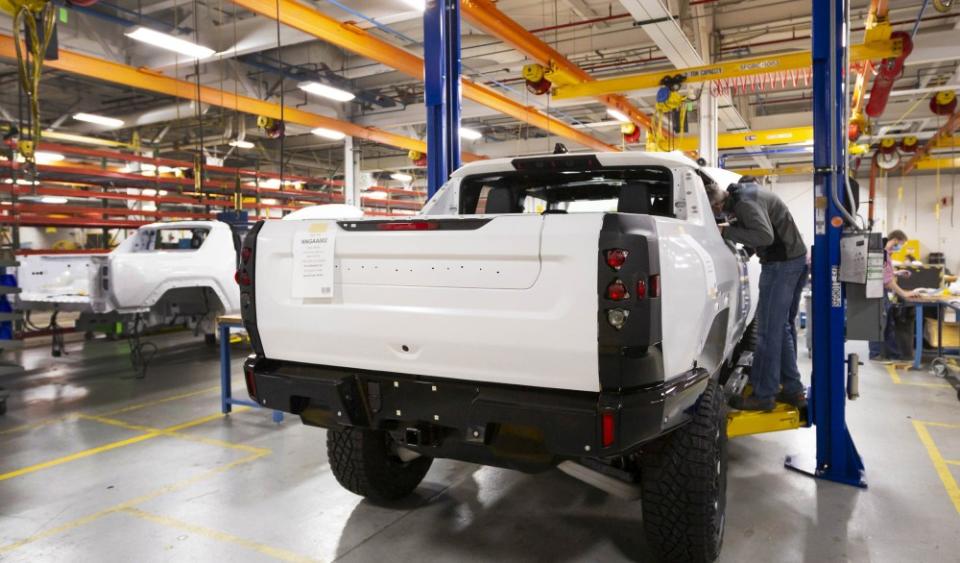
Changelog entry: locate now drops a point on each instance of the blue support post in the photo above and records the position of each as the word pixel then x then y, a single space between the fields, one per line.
pixel 441 69
pixel 837 458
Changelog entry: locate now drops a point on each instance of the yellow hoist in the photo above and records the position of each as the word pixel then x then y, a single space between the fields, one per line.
pixel 36 19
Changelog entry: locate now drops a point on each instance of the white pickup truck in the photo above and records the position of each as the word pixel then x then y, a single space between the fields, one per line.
pixel 164 271
pixel 571 310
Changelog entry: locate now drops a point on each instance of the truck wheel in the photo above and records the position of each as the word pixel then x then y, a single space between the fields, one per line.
pixel 364 463
pixel 684 485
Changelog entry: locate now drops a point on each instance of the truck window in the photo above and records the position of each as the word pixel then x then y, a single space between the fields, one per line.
pixel 647 190
pixel 172 239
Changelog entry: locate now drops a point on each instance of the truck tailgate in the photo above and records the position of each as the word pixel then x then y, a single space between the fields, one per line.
pixel 507 299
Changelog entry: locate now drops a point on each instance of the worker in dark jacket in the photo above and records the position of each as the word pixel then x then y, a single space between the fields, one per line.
pixel 759 219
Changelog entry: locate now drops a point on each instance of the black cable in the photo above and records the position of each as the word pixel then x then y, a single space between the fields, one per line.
pixel 141 352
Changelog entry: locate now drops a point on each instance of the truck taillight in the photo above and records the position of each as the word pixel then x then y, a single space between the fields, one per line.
pixel 607 427
pixel 641 289
pixel 242 278
pixel 617 291
pixel 248 376
pixel 617 317
pixel 616 257
pixel 655 285
pixel 408 226
pixel 245 253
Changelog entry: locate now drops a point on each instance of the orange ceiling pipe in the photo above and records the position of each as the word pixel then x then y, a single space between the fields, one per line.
pixel 145 79
pixel 485 15
pixel 352 38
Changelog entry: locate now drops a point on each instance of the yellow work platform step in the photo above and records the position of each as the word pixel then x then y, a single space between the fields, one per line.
pixel 783 417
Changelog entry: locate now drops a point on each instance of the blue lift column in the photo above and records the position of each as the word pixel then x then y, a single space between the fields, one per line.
pixel 441 62
pixel 837 457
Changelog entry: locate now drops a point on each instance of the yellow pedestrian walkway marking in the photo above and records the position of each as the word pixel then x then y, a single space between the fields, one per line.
pixel 134 407
pixel 263 549
pixel 174 431
pixel 174 487
pixel 149 433
pixel 939 463
pixel 895 377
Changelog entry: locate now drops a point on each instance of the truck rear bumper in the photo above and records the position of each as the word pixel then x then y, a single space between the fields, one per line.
pixel 527 428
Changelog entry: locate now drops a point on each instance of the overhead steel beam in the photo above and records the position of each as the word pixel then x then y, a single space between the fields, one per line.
pixel 940 138
pixel 485 15
pixel 751 66
pixel 356 40
pixel 145 79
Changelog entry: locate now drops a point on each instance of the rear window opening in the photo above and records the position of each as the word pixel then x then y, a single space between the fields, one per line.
pixel 646 190
pixel 170 238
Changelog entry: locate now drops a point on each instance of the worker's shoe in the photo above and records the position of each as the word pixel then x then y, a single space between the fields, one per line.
pixel 752 403
pixel 798 400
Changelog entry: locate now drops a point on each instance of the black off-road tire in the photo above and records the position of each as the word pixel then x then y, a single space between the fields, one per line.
pixel 684 485
pixel 364 463
pixel 750 336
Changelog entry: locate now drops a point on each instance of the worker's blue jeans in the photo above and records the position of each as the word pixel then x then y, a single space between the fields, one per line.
pixel 775 361
pixel 888 347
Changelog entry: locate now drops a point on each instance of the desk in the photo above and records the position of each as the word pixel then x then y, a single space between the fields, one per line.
pixel 224 324
pixel 918 304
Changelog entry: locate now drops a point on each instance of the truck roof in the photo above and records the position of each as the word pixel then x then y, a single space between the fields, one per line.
pixel 185 225
pixel 627 158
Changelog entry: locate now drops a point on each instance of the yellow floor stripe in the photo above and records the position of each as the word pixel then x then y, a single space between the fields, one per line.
pixel 160 401
pixel 189 437
pixel 939 464
pixel 130 408
pixel 952 461
pixel 938 424
pixel 173 487
pixel 153 433
pixel 263 549
pixel 895 377
pixel 79 455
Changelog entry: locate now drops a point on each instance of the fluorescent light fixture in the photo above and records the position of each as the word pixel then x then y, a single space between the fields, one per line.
pixel 418 5
pixel 170 43
pixel 22 182
pixel 376 195
pixel 328 134
pixel 98 119
pixel 618 115
pixel 470 134
pixel 53 199
pixel 148 192
pixel 325 91
pixel 270 183
pixel 241 144
pixel 401 177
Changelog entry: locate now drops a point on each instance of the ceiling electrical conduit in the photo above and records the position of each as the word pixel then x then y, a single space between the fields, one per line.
pixel 144 79
pixel 360 42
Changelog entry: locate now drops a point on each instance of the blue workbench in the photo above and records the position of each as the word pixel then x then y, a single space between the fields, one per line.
pixel 224 324
pixel 918 306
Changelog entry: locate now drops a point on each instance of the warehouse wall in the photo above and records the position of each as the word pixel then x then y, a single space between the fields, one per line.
pixel 913 210
pixel 797 193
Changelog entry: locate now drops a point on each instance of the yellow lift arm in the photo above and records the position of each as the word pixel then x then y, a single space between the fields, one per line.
pixel 723 71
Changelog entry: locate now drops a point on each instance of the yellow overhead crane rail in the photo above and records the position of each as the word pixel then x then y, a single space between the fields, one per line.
pixel 753 66
pixel 352 38
pixel 153 81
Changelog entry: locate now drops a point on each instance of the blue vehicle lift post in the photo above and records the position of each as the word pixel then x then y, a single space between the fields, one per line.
pixel 441 72
pixel 837 457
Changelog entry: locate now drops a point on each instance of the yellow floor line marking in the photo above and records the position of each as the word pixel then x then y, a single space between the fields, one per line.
pixel 952 461
pixel 938 424
pixel 108 447
pixel 172 488
pixel 939 464
pixel 79 455
pixel 138 406
pixel 189 437
pixel 895 377
pixel 160 401
pixel 263 549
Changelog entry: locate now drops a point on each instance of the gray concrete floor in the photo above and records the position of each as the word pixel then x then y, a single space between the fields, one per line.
pixel 95 466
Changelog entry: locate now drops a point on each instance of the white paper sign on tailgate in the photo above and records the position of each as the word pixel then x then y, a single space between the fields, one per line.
pixel 313 261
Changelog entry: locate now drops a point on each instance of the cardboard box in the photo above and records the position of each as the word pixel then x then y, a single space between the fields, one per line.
pixel 951 333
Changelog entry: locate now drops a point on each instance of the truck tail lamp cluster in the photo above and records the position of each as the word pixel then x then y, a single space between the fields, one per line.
pixel 617 291
pixel 608 428
pixel 649 288
pixel 616 258
pixel 241 276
